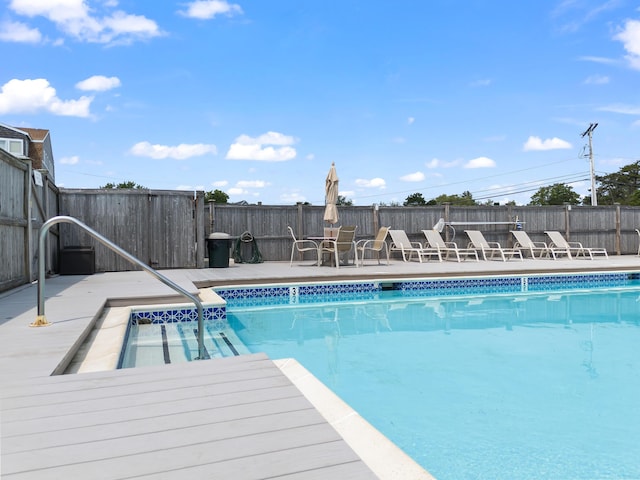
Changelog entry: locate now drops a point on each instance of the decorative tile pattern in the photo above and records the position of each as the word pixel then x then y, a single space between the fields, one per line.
pixel 331 292
pixel 175 315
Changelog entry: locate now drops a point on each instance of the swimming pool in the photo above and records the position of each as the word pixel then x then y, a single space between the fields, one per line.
pixel 508 377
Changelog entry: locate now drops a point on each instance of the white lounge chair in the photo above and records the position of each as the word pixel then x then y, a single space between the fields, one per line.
pixel 435 240
pixel 478 242
pixel 378 244
pixel 558 241
pixel 524 244
pixel 302 246
pixel 401 243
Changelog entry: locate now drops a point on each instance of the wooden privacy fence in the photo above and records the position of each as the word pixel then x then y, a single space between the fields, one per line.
pixel 168 229
pixel 612 227
pixel 27 199
pixel 162 228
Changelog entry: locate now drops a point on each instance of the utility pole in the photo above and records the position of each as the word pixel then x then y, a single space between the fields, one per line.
pixel 589 131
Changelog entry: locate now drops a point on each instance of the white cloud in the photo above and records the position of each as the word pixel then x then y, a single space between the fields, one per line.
pixel 536 144
pixel 373 183
pixel 32 96
pixel 190 188
pixel 601 60
pixel 98 83
pixel 208 9
pixel 480 162
pixel 98 23
pixel 623 109
pixel 237 191
pixel 596 80
pixel 293 197
pixel 413 177
pixel 73 160
pixel 252 184
pixel 484 82
pixel 179 152
pixel 437 163
pixel 19 32
pixel 630 37
pixel 259 148
pixel 410 120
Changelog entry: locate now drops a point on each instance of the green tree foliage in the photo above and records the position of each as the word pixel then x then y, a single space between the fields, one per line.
pixel 620 187
pixel 342 200
pixel 464 200
pixel 216 196
pixel 415 199
pixel 123 185
pixel 556 194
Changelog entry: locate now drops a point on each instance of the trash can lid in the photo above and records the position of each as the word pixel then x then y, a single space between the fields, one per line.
pixel 218 235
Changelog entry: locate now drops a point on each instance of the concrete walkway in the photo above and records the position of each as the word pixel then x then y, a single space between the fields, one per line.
pixel 238 417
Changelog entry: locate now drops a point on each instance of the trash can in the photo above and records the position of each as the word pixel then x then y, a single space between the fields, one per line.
pixel 218 245
pixel 77 260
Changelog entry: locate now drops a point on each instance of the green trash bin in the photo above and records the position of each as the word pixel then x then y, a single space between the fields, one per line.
pixel 218 245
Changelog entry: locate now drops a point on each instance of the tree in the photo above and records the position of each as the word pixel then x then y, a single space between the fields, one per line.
pixel 464 200
pixel 342 200
pixel 556 194
pixel 129 184
pixel 620 187
pixel 216 196
pixel 415 199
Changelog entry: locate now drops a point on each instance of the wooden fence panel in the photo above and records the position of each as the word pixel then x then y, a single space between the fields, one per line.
pixel 160 228
pixel 14 215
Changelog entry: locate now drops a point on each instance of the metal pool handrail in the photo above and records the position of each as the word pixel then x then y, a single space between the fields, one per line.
pixel 42 321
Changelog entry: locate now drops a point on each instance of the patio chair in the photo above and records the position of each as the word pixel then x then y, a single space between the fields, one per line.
pixel 341 246
pixel 302 246
pixel 524 244
pixel 478 242
pixel 558 241
pixel 638 232
pixel 377 245
pixel 435 240
pixel 401 243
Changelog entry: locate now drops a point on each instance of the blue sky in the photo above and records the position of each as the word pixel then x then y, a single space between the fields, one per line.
pixel 258 97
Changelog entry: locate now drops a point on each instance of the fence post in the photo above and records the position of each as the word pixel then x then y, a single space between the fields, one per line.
pixel 618 229
pixel 446 220
pixel 299 233
pixel 567 230
pixel 376 219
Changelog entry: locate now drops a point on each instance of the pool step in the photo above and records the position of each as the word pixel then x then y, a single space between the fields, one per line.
pixel 178 342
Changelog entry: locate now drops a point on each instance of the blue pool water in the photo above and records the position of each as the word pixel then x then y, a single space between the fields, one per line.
pixel 542 385
pixel 516 377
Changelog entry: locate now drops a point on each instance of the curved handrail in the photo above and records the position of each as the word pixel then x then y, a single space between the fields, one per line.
pixel 41 320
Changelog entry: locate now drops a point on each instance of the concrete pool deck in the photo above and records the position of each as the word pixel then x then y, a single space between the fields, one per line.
pixel 236 417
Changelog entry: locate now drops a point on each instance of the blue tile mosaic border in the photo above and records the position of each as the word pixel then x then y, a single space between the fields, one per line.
pixel 176 315
pixel 294 294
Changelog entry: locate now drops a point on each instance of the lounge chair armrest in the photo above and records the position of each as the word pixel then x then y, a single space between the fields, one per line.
pixel 494 244
pixel 575 244
pixel 451 244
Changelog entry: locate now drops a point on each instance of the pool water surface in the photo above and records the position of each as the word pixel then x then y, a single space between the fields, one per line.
pixel 526 386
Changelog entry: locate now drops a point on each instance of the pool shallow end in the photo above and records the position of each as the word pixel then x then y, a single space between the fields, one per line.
pixel 381 455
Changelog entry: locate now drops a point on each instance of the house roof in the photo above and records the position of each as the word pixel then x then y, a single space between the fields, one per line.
pixel 36 134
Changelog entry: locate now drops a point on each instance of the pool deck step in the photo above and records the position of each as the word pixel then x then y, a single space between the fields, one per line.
pixel 234 417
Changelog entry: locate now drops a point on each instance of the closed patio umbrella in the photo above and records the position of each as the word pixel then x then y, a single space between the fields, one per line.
pixel 331 196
